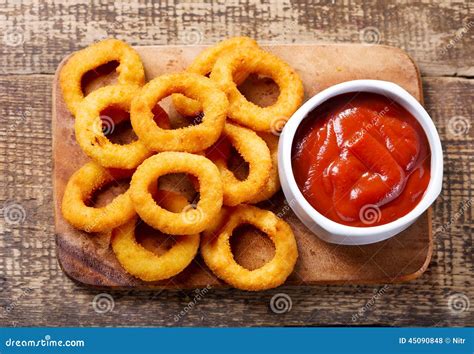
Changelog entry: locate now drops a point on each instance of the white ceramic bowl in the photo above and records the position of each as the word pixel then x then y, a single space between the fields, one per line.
pixel 332 231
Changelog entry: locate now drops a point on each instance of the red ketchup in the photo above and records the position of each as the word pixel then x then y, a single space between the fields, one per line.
pixel 361 159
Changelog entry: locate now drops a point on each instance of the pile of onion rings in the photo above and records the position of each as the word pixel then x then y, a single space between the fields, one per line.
pixel 229 128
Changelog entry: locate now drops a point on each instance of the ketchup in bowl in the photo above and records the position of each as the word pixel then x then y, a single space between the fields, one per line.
pixel 361 159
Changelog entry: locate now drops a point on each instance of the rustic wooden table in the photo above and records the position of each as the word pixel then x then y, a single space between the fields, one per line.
pixel 35 36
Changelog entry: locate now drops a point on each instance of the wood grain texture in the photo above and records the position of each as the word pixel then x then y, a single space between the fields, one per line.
pixel 89 259
pixel 42 33
pixel 28 251
pixel 34 290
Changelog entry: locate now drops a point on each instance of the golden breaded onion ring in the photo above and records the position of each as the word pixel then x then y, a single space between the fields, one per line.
pixel 188 139
pixel 79 189
pixel 189 221
pixel 203 64
pixel 217 223
pixel 217 253
pixel 130 69
pixel 262 119
pixel 146 265
pixel 254 150
pixel 273 183
pixel 91 138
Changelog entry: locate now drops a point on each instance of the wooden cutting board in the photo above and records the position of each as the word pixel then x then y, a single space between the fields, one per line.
pixel 88 258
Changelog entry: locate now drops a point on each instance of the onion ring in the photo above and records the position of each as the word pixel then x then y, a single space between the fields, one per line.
pixel 217 223
pixel 254 150
pixel 80 187
pixel 266 119
pixel 191 220
pixel 130 69
pixel 217 253
pixel 188 139
pixel 273 183
pixel 203 64
pixel 91 138
pixel 146 265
